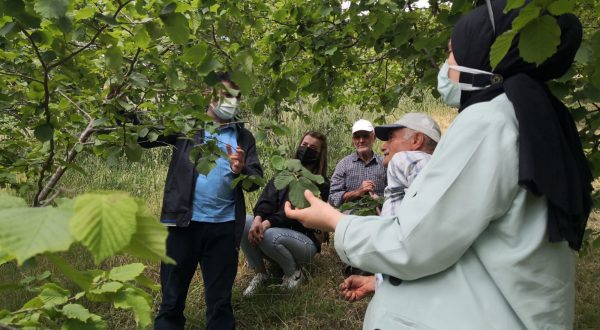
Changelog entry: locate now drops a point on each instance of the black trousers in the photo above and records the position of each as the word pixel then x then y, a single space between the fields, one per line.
pixel 213 246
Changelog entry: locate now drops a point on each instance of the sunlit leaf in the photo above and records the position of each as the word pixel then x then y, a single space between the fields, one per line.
pixel 135 300
pixel 25 232
pixel 500 47
pixel 7 201
pixel 77 312
pixel 104 222
pixel 53 295
pixel 141 37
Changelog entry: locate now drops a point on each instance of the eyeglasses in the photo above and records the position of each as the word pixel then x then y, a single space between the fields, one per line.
pixel 361 136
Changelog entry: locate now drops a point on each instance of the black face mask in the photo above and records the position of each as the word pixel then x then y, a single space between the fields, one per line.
pixel 306 155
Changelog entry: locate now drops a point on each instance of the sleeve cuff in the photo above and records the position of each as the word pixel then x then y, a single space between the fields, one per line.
pixel 340 234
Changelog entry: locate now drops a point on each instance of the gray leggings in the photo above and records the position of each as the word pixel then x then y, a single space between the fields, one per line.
pixel 288 248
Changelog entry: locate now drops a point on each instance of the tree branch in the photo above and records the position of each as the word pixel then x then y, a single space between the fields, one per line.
pixel 6 73
pixel 73 54
pixel 214 37
pixel 60 171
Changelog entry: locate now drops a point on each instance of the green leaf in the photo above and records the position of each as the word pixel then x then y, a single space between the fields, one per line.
pixel 85 13
pixel 527 14
pixel 205 165
pixel 51 8
pixel 133 151
pixel 209 64
pixel 83 279
pixel 316 178
pixel 108 287
pixel 53 295
pixel 147 282
pixel 114 58
pixel 94 323
pixel 176 26
pixel 25 232
pixel 134 300
pixel 104 222
pixel 242 80
pixel 561 7
pixel 195 54
pixel 513 4
pixel 141 37
pixel 296 195
pixel 500 47
pixel 294 165
pixel 43 132
pixel 7 201
pixel 76 312
pixel 539 39
pixel 126 272
pixel 308 184
pixel 283 179
pixel 278 163
pixel 139 80
pixel 149 240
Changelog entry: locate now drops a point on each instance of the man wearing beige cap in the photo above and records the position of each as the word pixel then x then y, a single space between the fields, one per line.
pixel 409 143
pixel 361 172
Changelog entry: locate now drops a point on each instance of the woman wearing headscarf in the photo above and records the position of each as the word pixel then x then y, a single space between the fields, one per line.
pixel 484 238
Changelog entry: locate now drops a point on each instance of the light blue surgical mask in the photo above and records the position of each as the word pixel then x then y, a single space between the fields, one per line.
pixel 227 108
pixel 449 90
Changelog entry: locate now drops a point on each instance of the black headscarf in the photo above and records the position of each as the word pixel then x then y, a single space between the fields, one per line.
pixel 551 159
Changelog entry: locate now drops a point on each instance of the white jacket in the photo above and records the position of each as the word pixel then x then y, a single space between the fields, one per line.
pixel 469 244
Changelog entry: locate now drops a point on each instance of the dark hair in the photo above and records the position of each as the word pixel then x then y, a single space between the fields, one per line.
pixel 321 169
pixel 226 76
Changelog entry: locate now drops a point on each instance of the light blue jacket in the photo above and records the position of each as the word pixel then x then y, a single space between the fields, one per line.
pixel 468 242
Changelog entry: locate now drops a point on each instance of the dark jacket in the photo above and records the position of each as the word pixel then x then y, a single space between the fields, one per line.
pixel 270 206
pixel 181 178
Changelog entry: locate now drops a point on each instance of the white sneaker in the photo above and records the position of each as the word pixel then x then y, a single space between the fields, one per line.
pixel 293 280
pixel 256 281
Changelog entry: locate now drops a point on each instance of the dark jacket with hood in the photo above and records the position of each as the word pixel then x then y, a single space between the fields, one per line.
pixel 180 184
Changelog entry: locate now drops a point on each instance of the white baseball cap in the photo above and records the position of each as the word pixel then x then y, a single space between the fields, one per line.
pixel 362 125
pixel 417 121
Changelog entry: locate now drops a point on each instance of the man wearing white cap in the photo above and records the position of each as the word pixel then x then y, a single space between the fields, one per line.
pixel 361 172
pixel 409 143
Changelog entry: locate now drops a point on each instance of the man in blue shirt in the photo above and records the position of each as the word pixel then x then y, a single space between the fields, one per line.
pixel 205 215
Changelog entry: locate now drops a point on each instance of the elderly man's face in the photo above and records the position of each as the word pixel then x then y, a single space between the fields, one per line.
pixel 363 141
pixel 398 140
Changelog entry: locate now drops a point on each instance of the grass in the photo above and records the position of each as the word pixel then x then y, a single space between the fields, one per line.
pixel 316 304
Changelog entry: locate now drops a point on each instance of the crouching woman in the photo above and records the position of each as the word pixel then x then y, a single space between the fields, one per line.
pixel 270 234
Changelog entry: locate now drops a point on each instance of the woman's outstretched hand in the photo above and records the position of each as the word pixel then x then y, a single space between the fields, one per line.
pixel 319 215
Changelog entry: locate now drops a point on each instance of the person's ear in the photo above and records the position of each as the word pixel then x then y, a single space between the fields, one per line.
pixel 418 140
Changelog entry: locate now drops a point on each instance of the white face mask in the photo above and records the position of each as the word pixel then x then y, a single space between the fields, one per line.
pixel 227 108
pixel 449 90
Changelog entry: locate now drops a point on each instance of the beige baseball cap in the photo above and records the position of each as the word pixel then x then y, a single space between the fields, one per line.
pixel 417 121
